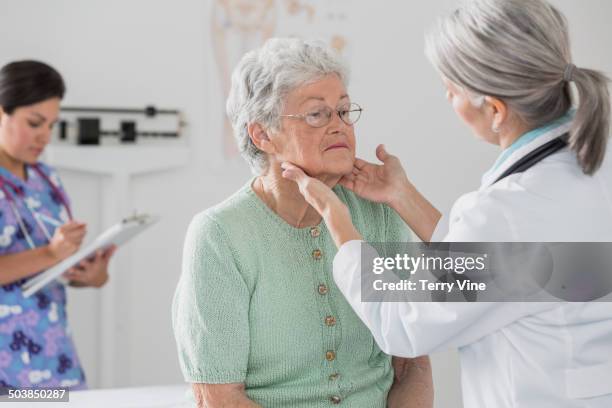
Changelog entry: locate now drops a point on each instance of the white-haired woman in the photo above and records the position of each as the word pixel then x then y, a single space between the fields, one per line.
pixel 510 76
pixel 257 317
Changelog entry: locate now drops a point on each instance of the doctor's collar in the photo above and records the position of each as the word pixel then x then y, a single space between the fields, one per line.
pixel 531 136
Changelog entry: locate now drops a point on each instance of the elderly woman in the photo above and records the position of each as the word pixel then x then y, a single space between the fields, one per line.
pixel 257 317
pixel 510 77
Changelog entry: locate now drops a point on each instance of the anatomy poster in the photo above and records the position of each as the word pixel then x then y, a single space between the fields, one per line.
pixel 242 25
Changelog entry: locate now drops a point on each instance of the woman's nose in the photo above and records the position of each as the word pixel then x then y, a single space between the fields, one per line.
pixel 44 136
pixel 336 124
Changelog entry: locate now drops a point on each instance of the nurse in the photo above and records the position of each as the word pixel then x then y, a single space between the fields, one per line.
pixel 36 232
pixel 510 77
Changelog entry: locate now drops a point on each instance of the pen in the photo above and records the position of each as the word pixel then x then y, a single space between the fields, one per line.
pixel 50 220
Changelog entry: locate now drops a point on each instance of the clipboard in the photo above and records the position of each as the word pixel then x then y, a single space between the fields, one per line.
pixel 118 235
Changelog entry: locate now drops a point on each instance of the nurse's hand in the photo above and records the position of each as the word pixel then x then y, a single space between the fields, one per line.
pixel 66 240
pixel 382 183
pixel 322 198
pixel 93 271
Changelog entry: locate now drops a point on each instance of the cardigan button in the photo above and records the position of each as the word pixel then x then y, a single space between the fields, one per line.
pixel 317 254
pixel 323 289
pixel 330 321
pixel 315 232
pixel 335 399
pixel 330 356
pixel 334 377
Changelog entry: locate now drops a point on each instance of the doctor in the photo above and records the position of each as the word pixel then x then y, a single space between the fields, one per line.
pixel 510 77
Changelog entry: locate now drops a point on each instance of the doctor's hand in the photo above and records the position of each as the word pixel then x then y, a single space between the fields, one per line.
pixel 382 183
pixel 323 199
pixel 387 183
pixel 91 272
pixel 66 240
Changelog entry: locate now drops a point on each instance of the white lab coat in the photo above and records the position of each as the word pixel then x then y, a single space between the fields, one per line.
pixel 519 355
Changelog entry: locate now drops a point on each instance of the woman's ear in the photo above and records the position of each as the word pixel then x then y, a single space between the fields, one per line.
pixel 259 137
pixel 498 111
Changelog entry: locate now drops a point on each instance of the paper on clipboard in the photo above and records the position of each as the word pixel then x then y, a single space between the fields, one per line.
pixel 117 235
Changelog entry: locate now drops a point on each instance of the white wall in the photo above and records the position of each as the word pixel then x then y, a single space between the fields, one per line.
pixel 137 52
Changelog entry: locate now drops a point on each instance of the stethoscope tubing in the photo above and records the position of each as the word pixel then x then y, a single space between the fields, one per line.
pixel 13 204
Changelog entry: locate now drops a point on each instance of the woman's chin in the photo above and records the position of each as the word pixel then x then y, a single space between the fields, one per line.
pixel 337 167
pixel 340 168
pixel 31 160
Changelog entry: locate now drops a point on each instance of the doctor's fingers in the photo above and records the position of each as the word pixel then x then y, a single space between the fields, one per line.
pixel 360 164
pixel 314 191
pixel 382 154
pixel 362 177
pixel 308 186
pixel 349 177
pixel 306 183
pixel 348 181
pixel 292 172
pixel 353 182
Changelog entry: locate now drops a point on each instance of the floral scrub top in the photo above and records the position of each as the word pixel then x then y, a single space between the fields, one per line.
pixel 36 349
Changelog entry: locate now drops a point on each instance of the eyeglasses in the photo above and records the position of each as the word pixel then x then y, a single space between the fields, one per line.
pixel 349 114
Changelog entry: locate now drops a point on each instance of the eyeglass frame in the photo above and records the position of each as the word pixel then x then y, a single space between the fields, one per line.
pixel 304 115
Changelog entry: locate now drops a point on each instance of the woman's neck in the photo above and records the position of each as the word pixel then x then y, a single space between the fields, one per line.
pixel 513 133
pixel 14 166
pixel 283 197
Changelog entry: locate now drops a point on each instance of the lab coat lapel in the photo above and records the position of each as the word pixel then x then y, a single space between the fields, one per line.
pixel 489 178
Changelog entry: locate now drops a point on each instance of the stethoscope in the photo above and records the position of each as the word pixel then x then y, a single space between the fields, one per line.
pixel 536 156
pixel 39 218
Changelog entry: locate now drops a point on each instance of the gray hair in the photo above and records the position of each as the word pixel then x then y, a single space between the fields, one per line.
pixel 262 80
pixel 519 51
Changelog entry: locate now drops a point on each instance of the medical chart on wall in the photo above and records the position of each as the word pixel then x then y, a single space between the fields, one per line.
pixel 238 26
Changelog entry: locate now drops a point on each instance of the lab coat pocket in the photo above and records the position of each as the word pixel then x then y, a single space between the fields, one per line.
pixel 589 382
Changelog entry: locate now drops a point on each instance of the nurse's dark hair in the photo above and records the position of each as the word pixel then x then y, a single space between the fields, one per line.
pixel 24 83
pixel 519 52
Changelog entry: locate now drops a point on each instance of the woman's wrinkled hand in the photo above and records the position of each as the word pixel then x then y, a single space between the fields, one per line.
pixel 381 183
pixel 91 272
